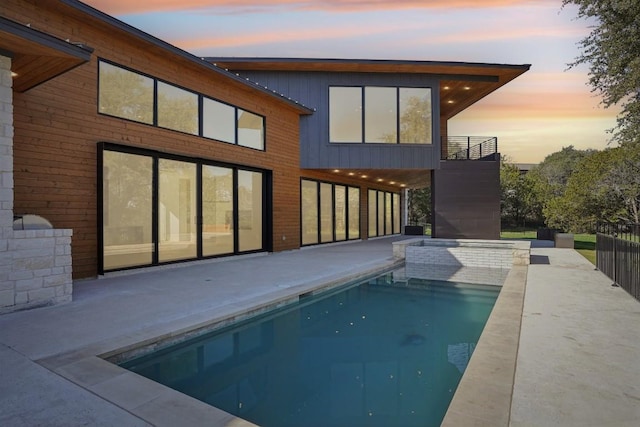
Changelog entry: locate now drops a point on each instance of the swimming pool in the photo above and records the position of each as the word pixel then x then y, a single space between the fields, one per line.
pixel 379 353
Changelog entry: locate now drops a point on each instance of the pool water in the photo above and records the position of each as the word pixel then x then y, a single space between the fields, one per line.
pixel 380 353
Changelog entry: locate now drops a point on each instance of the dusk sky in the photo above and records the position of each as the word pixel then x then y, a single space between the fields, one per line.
pixel 540 112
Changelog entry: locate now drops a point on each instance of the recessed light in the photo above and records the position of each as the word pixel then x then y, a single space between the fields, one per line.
pixel 351 173
pixel 446 88
pixel 402 185
pixel 14 74
pixel 450 101
pixel 336 170
pixel 467 88
pixel 380 180
pixel 392 182
pixel 363 176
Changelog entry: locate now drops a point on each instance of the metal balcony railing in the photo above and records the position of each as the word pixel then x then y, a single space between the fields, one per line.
pixel 469 148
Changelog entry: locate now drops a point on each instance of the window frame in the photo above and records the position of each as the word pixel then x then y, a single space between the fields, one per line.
pixel 363 115
pixel 200 99
pixel 318 184
pixel 267 223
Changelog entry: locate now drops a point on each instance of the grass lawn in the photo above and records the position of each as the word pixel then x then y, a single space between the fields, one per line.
pixel 585 244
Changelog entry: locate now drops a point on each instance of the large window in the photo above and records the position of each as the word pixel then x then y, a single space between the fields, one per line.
pixel 250 199
pixel 158 208
pixel 384 213
pixel 176 210
pixel 218 228
pixel 309 206
pixel 127 210
pixel 345 114
pixel 373 114
pixel 130 95
pixel 125 94
pixel 218 121
pixel 330 212
pixel 177 109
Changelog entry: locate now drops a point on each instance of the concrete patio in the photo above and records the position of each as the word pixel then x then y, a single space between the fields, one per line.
pixel 577 362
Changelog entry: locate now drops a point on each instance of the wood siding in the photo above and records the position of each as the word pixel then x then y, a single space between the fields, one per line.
pixel 57 129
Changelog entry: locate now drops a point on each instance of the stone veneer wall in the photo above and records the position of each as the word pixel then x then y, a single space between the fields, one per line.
pixel 35 265
pixel 463 252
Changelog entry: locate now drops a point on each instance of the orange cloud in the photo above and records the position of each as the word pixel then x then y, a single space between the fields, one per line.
pixel 118 7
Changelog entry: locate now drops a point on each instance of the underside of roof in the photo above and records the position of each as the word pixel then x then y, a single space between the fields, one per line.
pixel 461 83
pixel 37 57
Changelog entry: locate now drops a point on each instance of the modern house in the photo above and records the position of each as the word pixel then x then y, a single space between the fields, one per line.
pixel 141 154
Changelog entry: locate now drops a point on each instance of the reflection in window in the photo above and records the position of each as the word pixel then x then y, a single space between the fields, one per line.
pixel 176 210
pixel 373 216
pixel 354 213
pixel 250 130
pixel 217 210
pixel 415 115
pixel 127 210
pixel 337 212
pixel 309 212
pixel 130 95
pixel 388 214
pixel 326 213
pixel 249 210
pixel 381 114
pixel 129 183
pixel 381 214
pixel 177 109
pixel 396 213
pixel 340 212
pixel 345 114
pixel 125 94
pixel 218 121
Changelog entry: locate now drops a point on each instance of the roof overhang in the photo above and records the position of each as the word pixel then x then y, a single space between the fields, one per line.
pixel 461 83
pixel 36 56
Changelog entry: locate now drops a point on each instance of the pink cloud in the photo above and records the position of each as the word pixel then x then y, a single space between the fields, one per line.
pixel 260 38
pixel 118 7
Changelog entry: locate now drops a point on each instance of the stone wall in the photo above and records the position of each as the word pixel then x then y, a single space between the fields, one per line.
pixel 35 265
pixel 463 252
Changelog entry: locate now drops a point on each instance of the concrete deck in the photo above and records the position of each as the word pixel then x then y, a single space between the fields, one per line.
pixel 577 363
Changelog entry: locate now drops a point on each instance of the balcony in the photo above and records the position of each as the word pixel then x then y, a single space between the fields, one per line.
pixel 469 148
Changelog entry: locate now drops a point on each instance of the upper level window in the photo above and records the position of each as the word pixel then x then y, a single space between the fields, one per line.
pixel 130 95
pixel 374 114
pixel 125 94
pixel 345 114
pixel 218 121
pixel 177 109
pixel 250 130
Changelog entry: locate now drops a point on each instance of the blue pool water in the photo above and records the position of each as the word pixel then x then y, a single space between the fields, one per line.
pixel 379 353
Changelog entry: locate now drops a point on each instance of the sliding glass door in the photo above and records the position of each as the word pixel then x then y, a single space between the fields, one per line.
pixel 158 208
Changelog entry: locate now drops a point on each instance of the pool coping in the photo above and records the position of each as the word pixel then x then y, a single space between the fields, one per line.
pixel 484 393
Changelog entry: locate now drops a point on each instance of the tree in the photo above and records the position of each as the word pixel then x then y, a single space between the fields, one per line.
pixel 548 180
pixel 515 196
pixel 612 51
pixel 419 206
pixel 604 186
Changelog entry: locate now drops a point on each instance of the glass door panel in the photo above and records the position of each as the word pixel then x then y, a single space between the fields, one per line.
pixel 176 210
pixel 127 210
pixel 217 210
pixel 250 201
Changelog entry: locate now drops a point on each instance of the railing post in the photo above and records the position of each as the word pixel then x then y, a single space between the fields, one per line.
pixel 468 147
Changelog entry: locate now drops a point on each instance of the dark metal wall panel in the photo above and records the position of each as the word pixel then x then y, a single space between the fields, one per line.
pixel 312 90
pixel 466 200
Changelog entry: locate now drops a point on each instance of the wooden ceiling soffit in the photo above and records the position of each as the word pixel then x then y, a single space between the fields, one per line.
pixel 37 57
